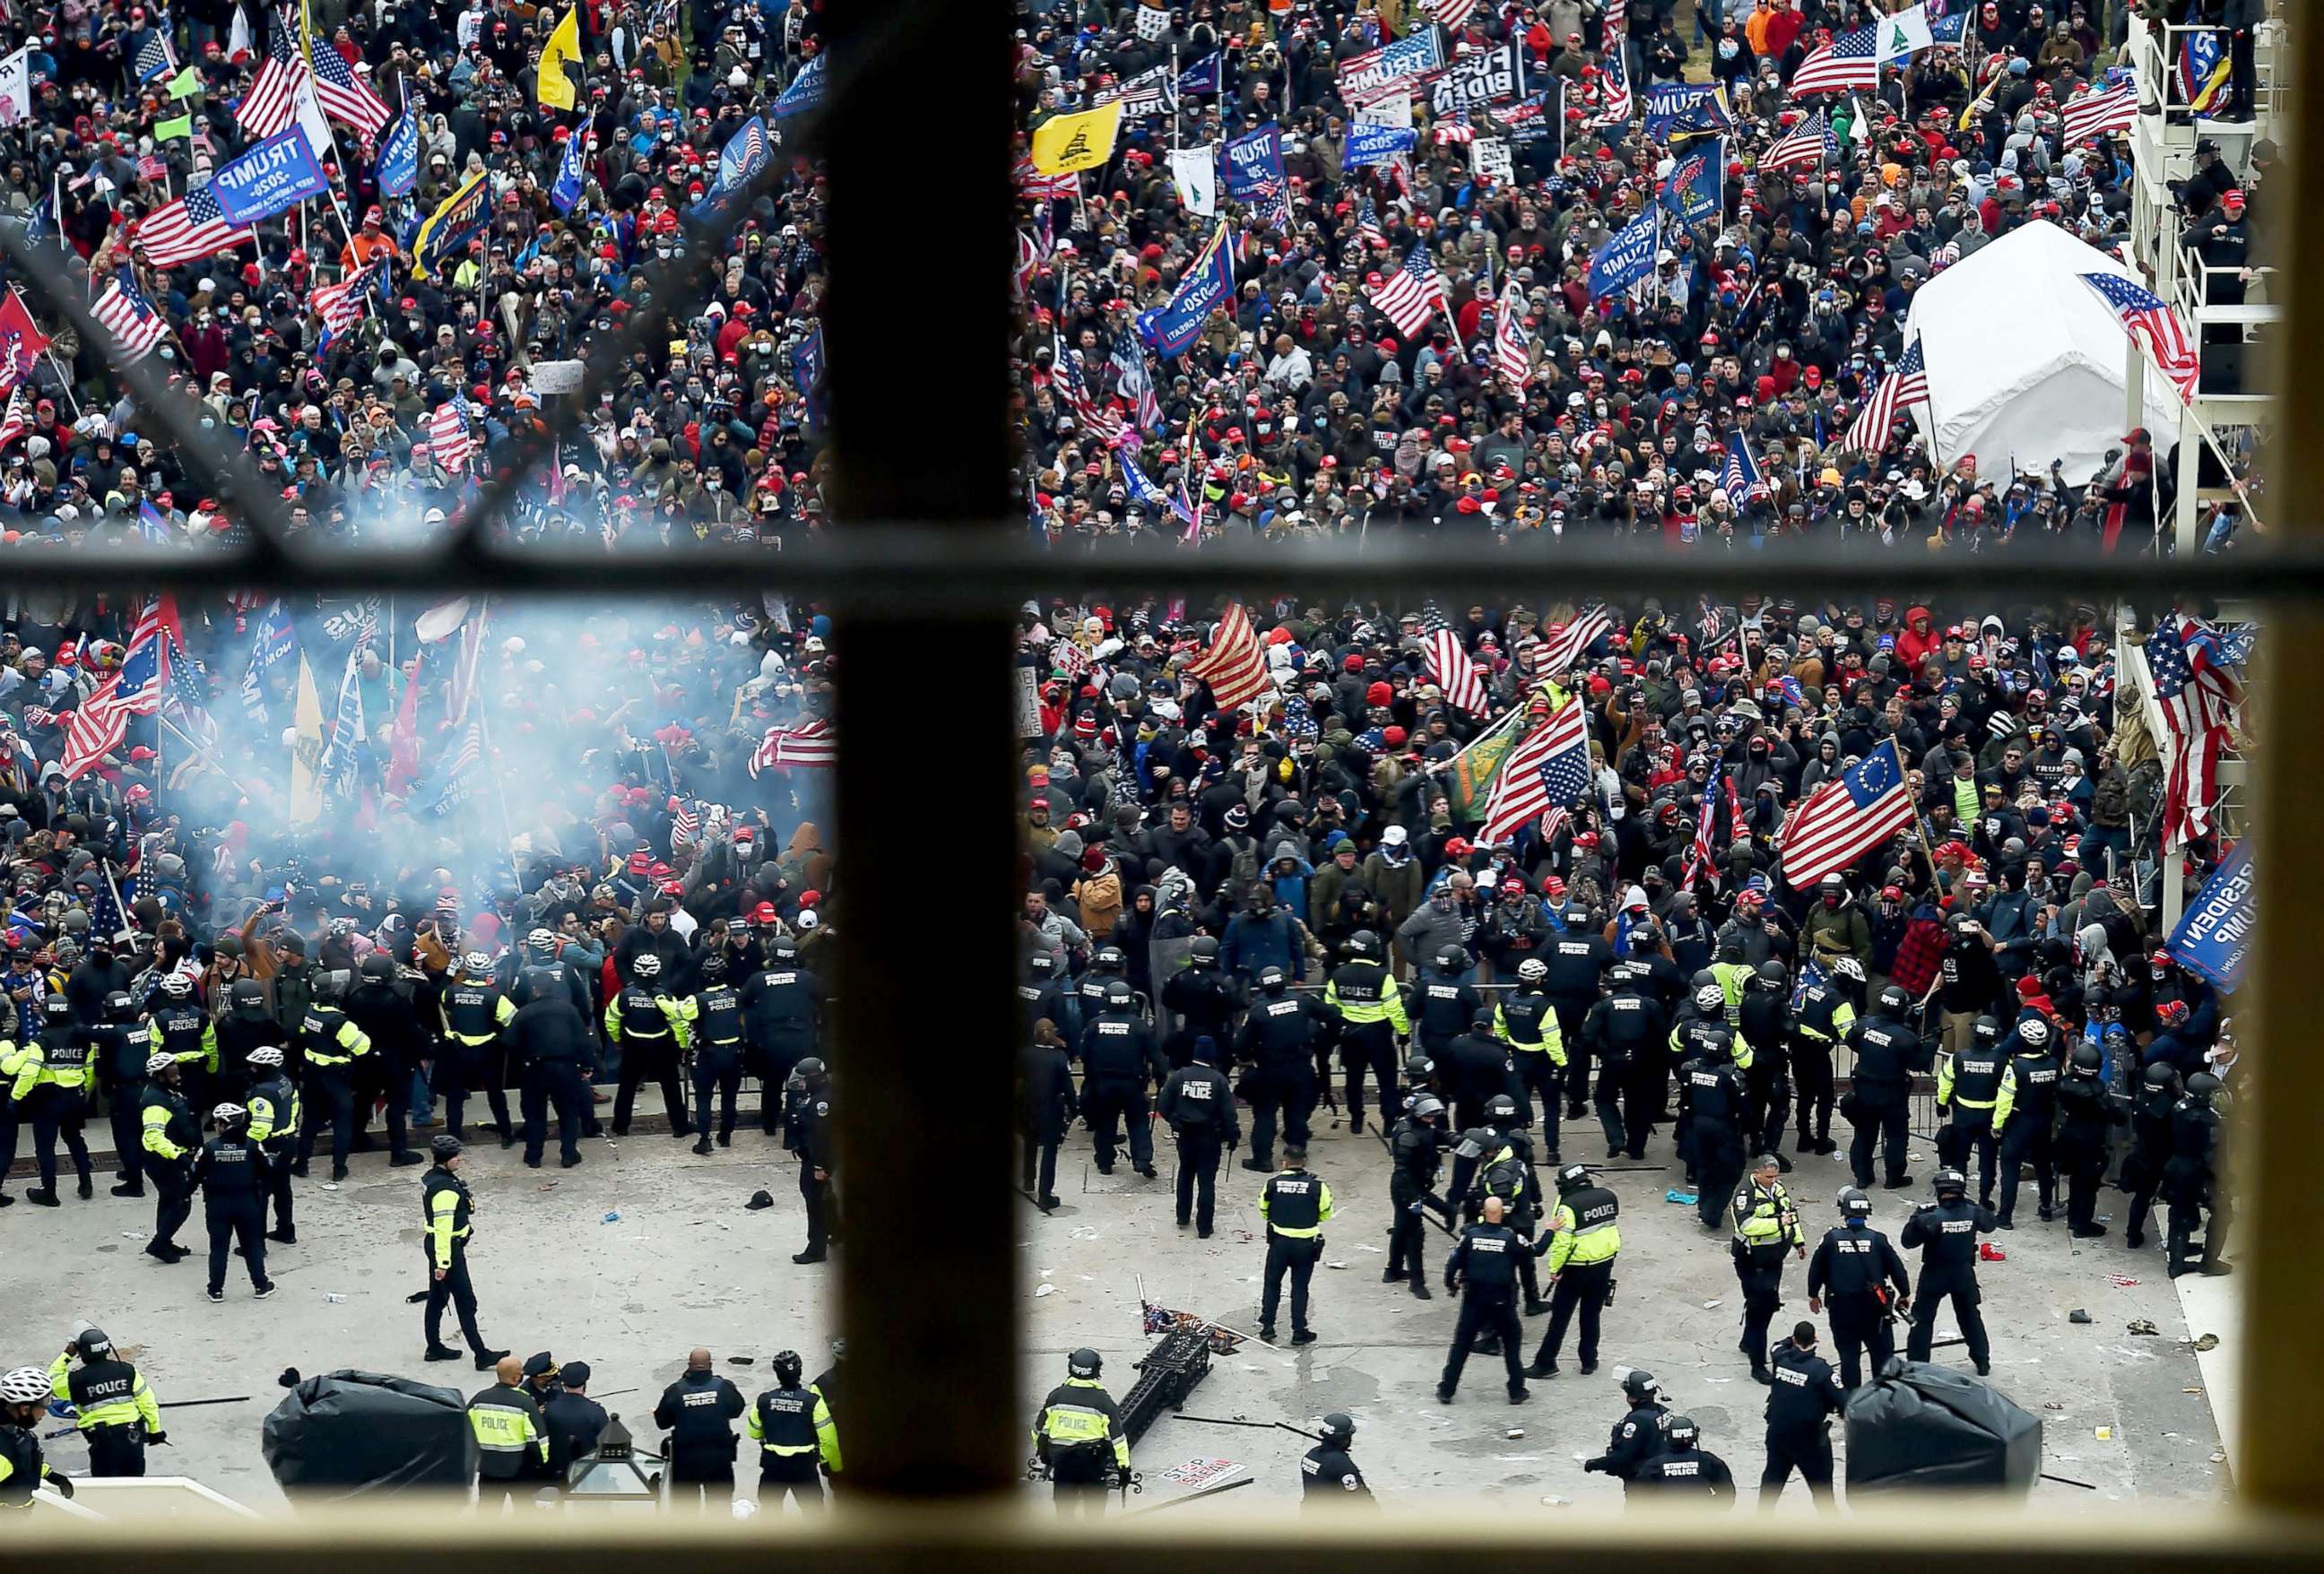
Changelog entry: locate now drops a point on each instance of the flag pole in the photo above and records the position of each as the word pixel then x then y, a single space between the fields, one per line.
pixel 203 754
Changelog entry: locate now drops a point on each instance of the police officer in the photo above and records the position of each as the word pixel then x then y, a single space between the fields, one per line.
pixel 328 1044
pixel 1371 1019
pixel 1583 1243
pixel 1198 1103
pixel 1526 1020
pixel 1684 1469
pixel 2088 1114
pixel 446 1209
pixel 2029 1134
pixel 1328 1476
pixel 715 1020
pixel 1639 1436
pixel 1505 1169
pixel 1767 1226
pixel 1888 1051
pixel 1625 1031
pixel 1827 1011
pixel 117 1052
pixel 168 1135
pixel 1946 1231
pixel 1415 1149
pixel 700 1411
pixel 1975 1094
pixel 511 1448
pixel 181 1029
pixel 793 1428
pixel 1078 1435
pixel 274 1120
pixel 647 1025
pixel 1476 1067
pixel 807 1132
pixel 1044 999
pixel 1119 1053
pixel 1712 1101
pixel 549 1040
pixel 1762 1018
pixel 117 1412
pixel 1440 1004
pixel 1801 1402
pixel 2151 1119
pixel 2191 1182
pixel 50 1091
pixel 248 1023
pixel 382 1005
pixel 13 1057
pixel 1857 1271
pixel 1483 1268
pixel 1203 998
pixel 24 1394
pixel 1044 1109
pixel 782 1011
pixel 572 1420
pixel 1296 1205
pixel 1573 964
pixel 1280 1039
pixel 230 1170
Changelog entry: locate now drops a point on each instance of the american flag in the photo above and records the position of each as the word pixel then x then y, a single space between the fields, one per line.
pixel 1548 770
pixel 448 433
pixel 1621 103
pixel 1368 224
pixel 341 305
pixel 1150 92
pixel 1134 381
pixel 2094 113
pixel 1099 419
pixel 98 727
pixel 345 96
pixel 1031 183
pixel 1846 818
pixel 2198 695
pixel 152 167
pixel 1452 15
pixel 1906 386
pixel 685 825
pixel 1512 345
pixel 186 697
pixel 2156 327
pixel 1455 131
pixel 1410 295
pixel 19 419
pixel 129 318
pixel 1810 142
pixel 186 231
pixel 1740 477
pixel 812 745
pixel 1449 664
pixel 1562 652
pixel 1849 63
pixel 1234 667
pixel 1703 858
pixel 272 102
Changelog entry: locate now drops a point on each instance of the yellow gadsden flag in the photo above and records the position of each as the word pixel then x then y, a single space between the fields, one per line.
pixel 553 87
pixel 1074 142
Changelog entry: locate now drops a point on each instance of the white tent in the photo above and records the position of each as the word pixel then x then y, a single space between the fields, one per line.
pixel 2024 362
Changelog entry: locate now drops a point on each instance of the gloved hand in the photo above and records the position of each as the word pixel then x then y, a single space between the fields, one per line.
pixel 160 1440
pixel 61 1485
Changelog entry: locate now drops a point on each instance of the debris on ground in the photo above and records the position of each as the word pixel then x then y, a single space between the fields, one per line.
pixel 2079 1315
pixel 2142 1325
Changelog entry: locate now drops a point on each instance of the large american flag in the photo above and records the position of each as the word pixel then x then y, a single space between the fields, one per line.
pixel 1136 383
pixel 1512 345
pixel 1032 183
pixel 2199 693
pixel 188 230
pixel 2095 114
pixel 341 305
pixel 1846 818
pixel 1614 44
pixel 1411 295
pixel 1101 419
pixel 345 96
pixel 1452 15
pixel 1548 770
pixel 134 326
pixel 19 419
pixel 812 745
pixel 272 102
pixel 1449 664
pixel 1234 667
pixel 1561 651
pixel 2155 325
pixel 448 433
pixel 1849 63
pixel 1906 386
pixel 1810 142
pixel 1703 858
pixel 98 727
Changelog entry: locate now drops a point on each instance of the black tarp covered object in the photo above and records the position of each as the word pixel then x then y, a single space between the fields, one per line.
pixel 1919 1426
pixel 351 1434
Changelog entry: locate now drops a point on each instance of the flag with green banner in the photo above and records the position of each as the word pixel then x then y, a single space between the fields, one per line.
pixel 1471 776
pixel 163 130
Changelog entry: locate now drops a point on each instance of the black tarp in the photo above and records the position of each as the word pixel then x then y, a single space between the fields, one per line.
pixel 1919 1426
pixel 350 1434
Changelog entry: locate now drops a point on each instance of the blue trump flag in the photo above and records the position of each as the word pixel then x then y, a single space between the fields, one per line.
pixel 572 174
pixel 399 155
pixel 2214 937
pixel 1628 258
pixel 746 154
pixel 1740 478
pixel 1254 163
pixel 1146 495
pixel 1204 76
pixel 1694 188
pixel 807 371
pixel 1168 330
pixel 275 175
pixel 805 93
pixel 1376 144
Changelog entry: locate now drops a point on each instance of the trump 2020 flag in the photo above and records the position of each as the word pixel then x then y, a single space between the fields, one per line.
pixel 1376 144
pixel 572 175
pixel 1168 330
pixel 399 155
pixel 1628 258
pixel 1255 174
pixel 805 93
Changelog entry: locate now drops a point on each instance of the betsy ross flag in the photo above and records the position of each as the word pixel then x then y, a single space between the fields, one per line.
pixel 1411 295
pixel 1810 142
pixel 448 433
pixel 2199 694
pixel 129 318
pixel 1563 650
pixel 1449 665
pixel 272 101
pixel 2155 325
pixel 2093 115
pixel 1846 818
pixel 1548 770
pixel 345 96
pixel 192 227
pixel 812 745
pixel 1906 386
pixel 1234 667
pixel 1849 63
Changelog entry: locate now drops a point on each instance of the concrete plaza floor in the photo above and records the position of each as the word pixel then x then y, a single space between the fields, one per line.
pixel 646 1251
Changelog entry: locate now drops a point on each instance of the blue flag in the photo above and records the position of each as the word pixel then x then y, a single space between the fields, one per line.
pixel 1254 165
pixel 1740 478
pixel 1209 283
pixel 805 93
pixel 1146 495
pixel 399 155
pixel 1667 104
pixel 807 371
pixel 1628 258
pixel 746 154
pixel 1692 189
pixel 2214 938
pixel 1376 144
pixel 454 779
pixel 1204 76
pixel 275 175
pixel 152 528
pixel 572 175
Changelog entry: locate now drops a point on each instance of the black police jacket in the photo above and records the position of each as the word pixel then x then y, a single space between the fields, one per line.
pixel 1485 1262
pixel 1637 1438
pixel 231 1173
pixel 1117 1050
pixel 1853 1259
pixel 700 1411
pixel 548 1031
pixel 1886 1054
pixel 1329 1473
pixel 1198 1100
pixel 1045 1092
pixel 1279 1034
pixel 1622 1027
pixel 1686 1473
pixel 1946 1233
pixel 1801 1390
